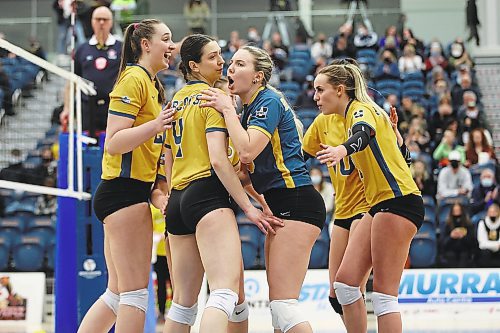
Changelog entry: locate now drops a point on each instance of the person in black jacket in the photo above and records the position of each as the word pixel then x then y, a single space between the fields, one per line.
pixel 472 20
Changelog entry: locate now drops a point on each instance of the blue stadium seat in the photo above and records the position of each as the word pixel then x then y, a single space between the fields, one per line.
pixel 366 53
pixel 51 256
pixel 291 96
pixel 251 239
pixel 413 84
pixel 28 254
pixel 12 224
pixel 423 248
pixel 413 76
pixel 319 253
pixel 168 80
pixel 299 72
pixel 300 54
pixel 289 85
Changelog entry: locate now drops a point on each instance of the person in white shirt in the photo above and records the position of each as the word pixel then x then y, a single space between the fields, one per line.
pixel 455 179
pixel 488 237
pixel 321 48
pixel 410 62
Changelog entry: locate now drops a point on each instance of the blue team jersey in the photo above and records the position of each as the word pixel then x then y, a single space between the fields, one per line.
pixel 281 163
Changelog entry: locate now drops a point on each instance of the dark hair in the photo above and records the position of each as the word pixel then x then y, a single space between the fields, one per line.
pixel 132 51
pixel 192 50
pixel 464 217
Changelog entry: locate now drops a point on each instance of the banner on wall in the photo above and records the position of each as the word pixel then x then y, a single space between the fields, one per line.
pixel 427 297
pixel 21 297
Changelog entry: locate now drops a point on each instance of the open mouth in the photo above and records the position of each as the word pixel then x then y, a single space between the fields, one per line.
pixel 230 81
pixel 167 56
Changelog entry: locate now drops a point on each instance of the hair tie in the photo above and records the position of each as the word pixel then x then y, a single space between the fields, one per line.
pixel 136 25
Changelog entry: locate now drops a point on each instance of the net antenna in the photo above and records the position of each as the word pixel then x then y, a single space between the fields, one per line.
pixel 81 85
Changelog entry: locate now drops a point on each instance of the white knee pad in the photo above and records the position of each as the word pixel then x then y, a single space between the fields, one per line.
pixel 223 299
pixel 286 314
pixel 384 304
pixel 135 298
pixel 111 299
pixel 240 313
pixel 182 314
pixel 346 294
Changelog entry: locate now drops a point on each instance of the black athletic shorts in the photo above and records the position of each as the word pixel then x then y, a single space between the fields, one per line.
pixel 300 204
pixel 115 194
pixel 347 223
pixel 409 206
pixel 188 206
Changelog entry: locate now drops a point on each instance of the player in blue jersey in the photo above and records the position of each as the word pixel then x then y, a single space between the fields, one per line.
pixel 268 141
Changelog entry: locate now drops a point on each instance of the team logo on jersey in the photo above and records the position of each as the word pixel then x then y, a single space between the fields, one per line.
pixel 112 54
pixel 261 113
pixel 358 114
pixel 89 57
pixel 101 63
pixel 126 100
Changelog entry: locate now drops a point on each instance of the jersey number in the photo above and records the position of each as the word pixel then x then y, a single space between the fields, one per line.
pixel 177 129
pixel 343 170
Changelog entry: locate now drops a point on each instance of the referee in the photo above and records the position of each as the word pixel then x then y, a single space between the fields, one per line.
pixel 97 60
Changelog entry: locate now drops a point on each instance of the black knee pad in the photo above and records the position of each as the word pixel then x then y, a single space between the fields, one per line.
pixel 336 305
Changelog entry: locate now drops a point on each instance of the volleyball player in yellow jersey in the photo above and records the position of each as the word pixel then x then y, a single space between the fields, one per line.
pixel 201 227
pixel 382 238
pixel 134 137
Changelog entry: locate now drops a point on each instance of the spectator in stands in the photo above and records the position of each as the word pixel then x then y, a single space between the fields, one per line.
pixel 345 31
pixel 390 38
pixel 7 97
pixel 98 60
pixel 325 188
pixel 364 39
pixel 302 35
pixel 63 23
pixel 306 97
pixel 253 36
pixel 422 178
pixel 48 167
pixel 197 13
pixel 321 48
pixel 458 244
pixel 15 171
pixel 390 100
pixel 340 48
pixel 478 149
pixel 418 139
pixel 472 20
pixel 441 118
pixel 279 51
pixel 409 38
pixel 437 89
pixel 488 237
pixel 410 62
pixel 436 57
pixel 457 91
pixel 455 179
pixel 446 146
pixel 459 56
pixel 235 42
pixel 46 204
pixel 471 114
pixel 387 68
pixel 485 193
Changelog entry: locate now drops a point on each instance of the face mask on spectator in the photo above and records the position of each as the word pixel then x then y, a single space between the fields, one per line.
pixel 316 180
pixel 472 114
pixel 471 104
pixel 457 50
pixel 487 182
pixel 387 107
pixel 454 164
pixel 252 35
pixel 414 155
pixel 493 218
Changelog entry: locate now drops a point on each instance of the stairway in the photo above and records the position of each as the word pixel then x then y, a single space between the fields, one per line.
pixel 488 76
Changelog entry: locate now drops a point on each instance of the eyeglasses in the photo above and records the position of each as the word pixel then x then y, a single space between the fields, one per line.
pixel 101 19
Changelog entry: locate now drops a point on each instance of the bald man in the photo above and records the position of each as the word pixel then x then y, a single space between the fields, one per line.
pixel 97 60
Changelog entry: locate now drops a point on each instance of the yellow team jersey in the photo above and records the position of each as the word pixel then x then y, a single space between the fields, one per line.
pixel 136 97
pixel 159 228
pixel 187 138
pixel 349 192
pixel 381 165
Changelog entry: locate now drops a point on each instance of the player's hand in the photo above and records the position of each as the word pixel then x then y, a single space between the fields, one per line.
pixel 331 155
pixel 217 99
pixel 165 118
pixel 394 117
pixel 164 204
pixel 262 221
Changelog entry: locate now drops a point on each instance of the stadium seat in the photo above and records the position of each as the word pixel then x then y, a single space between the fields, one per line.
pixel 251 238
pixel 289 86
pixel 319 253
pixel 413 84
pixel 28 254
pixel 413 76
pixel 423 248
pixel 13 225
pixel 51 255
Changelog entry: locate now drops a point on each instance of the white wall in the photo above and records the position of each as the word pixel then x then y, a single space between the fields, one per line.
pixel 443 19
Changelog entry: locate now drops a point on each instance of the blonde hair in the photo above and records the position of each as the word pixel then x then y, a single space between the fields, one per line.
pixel 262 62
pixel 346 72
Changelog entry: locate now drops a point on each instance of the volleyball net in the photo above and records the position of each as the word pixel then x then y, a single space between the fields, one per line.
pixel 76 140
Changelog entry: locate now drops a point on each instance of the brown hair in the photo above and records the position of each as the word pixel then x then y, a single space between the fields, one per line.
pixel 132 51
